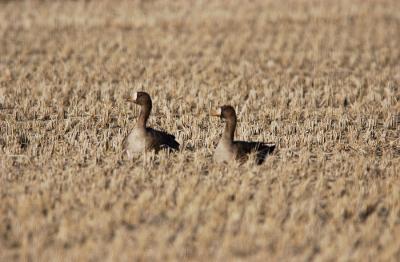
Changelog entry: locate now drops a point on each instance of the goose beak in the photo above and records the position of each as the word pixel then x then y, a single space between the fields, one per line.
pixel 132 98
pixel 216 112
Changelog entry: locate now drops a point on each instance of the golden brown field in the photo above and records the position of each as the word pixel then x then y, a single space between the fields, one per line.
pixel 319 78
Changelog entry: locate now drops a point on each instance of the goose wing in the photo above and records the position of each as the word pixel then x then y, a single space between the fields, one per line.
pixel 244 148
pixel 159 139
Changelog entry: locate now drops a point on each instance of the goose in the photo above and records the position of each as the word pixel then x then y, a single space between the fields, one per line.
pixel 228 150
pixel 143 138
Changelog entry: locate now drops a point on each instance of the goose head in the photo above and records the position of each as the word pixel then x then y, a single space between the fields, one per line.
pixel 226 112
pixel 140 98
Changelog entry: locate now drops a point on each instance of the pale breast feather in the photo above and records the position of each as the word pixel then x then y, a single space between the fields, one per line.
pixel 136 142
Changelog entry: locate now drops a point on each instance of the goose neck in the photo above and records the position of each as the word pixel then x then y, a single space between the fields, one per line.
pixel 144 115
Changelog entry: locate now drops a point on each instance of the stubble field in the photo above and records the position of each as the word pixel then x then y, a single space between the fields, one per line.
pixel 318 78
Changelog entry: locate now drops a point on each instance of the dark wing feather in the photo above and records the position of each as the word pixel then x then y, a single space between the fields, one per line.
pixel 244 148
pixel 160 139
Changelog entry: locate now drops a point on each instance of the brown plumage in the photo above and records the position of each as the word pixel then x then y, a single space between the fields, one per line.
pixel 228 149
pixel 143 138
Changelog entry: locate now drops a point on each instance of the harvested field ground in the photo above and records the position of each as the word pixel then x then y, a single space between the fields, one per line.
pixel 319 78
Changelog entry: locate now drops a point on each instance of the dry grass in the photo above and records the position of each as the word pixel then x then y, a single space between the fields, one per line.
pixel 319 78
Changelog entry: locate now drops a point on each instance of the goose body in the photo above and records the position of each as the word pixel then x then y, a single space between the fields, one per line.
pixel 229 150
pixel 224 152
pixel 143 138
pixel 136 141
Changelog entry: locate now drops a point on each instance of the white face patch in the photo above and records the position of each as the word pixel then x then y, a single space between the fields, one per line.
pixel 134 97
pixel 219 111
